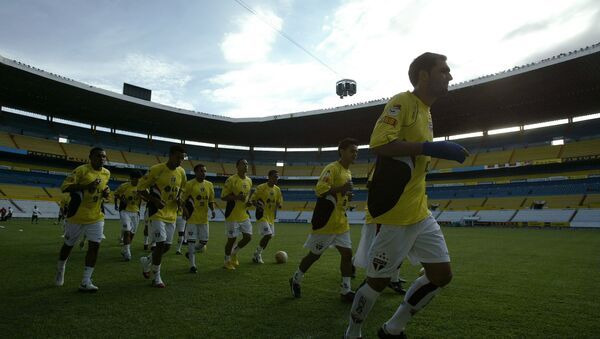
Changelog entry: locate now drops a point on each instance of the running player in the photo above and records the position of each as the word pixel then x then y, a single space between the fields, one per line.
pixel 127 202
pixel 267 198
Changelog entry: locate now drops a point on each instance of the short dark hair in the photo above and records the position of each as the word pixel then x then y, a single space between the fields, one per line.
pixel 272 172
pixel 176 149
pixel 423 62
pixel 345 143
pixel 237 163
pixel 198 166
pixel 135 175
pixel 96 149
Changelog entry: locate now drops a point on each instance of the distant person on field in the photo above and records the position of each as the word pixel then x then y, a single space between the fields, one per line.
pixel 35 214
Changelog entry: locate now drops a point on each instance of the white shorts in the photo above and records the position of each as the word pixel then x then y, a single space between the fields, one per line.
pixel 318 243
pixel 367 235
pixel 180 223
pixel 422 242
pixel 233 228
pixel 197 232
pixel 266 228
pixel 161 231
pixel 129 221
pixel 93 232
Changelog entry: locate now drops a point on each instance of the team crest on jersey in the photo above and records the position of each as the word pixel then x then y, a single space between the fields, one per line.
pixel 380 261
pixel 201 189
pixel 395 110
pixel 173 179
pixel 327 176
pixel 389 120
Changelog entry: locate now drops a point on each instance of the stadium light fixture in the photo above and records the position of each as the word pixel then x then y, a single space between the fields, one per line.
pixel 63 140
pixel 558 142
pixel 363 146
pixel 102 129
pixel 269 149
pixel 71 123
pixel 329 149
pixel 279 164
pixel 199 143
pixel 131 134
pixel 305 149
pixel 546 124
pixel 439 139
pixel 236 147
pixel 504 130
pixel 586 117
pixel 24 113
pixel 156 137
pixel 465 135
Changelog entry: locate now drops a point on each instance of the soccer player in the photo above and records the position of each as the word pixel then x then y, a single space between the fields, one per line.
pixel 199 197
pixel 127 202
pixel 165 182
pixel 236 192
pixel 402 140
pixel 329 222
pixel 88 186
pixel 267 198
pixel 180 225
pixel 35 213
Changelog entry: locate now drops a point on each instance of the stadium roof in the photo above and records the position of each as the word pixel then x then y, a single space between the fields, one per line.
pixel 558 87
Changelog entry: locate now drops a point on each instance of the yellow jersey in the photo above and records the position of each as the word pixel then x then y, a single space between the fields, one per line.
pixel 85 206
pixel 397 190
pixel 235 211
pixel 129 198
pixel 167 184
pixel 199 195
pixel 334 175
pixel 271 198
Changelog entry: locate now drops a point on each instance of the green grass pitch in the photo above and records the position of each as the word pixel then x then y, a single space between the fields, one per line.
pixel 524 283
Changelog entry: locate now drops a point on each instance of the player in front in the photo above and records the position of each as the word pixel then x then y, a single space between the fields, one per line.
pixel 198 198
pixel 402 140
pixel 267 198
pixel 165 182
pixel 88 187
pixel 236 192
pixel 329 222
pixel 127 202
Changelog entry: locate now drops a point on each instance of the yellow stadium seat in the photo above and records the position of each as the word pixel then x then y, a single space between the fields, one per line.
pixel 581 148
pixel 556 201
pixel 38 144
pixel 78 152
pixel 535 153
pixel 592 201
pixel 24 192
pixel 441 203
pixel 115 156
pixel 298 170
pixel 294 205
pixel 229 168
pixel 465 204
pixel 263 170
pixel 140 159
pixel 493 158
pixel 360 170
pixel 6 141
pixel 445 164
pixel 506 203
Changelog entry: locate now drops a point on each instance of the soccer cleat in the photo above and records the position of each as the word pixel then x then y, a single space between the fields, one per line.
pixel 397 287
pixel 257 259
pixel 234 260
pixel 193 269
pixel 295 288
pixel 178 253
pixel 347 297
pixel 383 334
pixel 145 261
pixel 60 277
pixel 158 283
pixel 88 287
pixel 229 265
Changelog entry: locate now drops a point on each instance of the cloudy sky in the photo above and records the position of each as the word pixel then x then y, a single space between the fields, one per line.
pixel 217 57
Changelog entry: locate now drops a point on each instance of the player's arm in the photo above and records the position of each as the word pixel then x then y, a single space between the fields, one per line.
pixel 227 193
pixel 72 183
pixel 325 184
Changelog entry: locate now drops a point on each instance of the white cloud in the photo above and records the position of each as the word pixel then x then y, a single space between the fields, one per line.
pixel 254 40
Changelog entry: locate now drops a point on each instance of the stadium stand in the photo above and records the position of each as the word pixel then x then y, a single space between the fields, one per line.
pixel 496 216
pixel 587 218
pixel 544 215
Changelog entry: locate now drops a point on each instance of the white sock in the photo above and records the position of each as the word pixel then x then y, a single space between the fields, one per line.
pixel 235 250
pixel 61 265
pixel 418 295
pixel 227 258
pixel 363 303
pixel 179 243
pixel 87 275
pixel 346 285
pixel 192 254
pixel 128 249
pixel 145 240
pixel 298 276
pixel 395 276
pixel 259 250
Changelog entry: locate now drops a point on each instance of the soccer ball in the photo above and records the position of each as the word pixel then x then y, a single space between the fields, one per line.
pixel 281 257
